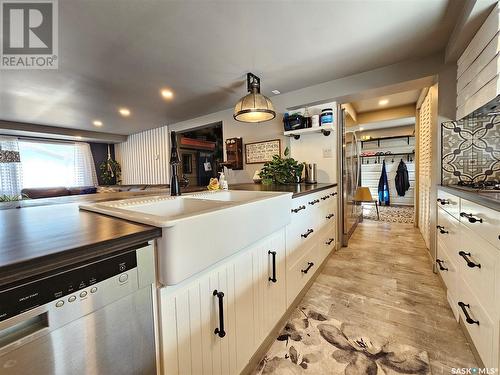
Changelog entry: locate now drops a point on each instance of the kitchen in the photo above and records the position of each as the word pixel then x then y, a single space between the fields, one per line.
pixel 205 202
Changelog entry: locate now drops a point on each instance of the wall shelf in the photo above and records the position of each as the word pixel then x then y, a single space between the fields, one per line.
pixel 407 137
pixel 325 130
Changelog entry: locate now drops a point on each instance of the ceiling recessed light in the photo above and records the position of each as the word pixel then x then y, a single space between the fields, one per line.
pixel 383 101
pixel 124 111
pixel 167 94
pixel 97 123
pixel 276 92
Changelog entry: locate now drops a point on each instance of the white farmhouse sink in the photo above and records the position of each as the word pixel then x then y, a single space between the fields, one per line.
pixel 203 228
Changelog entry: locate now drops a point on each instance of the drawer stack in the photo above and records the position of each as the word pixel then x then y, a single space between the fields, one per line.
pixel 468 260
pixel 310 237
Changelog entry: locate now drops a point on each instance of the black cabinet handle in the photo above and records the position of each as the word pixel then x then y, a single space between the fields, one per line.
pixel 220 330
pixel 471 218
pixel 440 263
pixel 312 203
pixel 330 240
pixel 295 210
pixel 441 229
pixel 333 194
pixel 273 254
pixel 470 263
pixel 309 266
pixel 325 197
pixel 305 235
pixel 443 201
pixel 468 319
pixel 330 216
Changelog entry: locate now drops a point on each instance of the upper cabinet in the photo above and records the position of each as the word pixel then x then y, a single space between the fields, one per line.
pixel 478 68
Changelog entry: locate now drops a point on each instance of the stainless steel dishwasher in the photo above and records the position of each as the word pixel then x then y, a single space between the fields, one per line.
pixel 96 318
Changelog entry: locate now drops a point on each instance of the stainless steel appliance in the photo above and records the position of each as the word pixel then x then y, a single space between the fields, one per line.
pixel 488 186
pixel 311 173
pixel 95 318
pixel 350 171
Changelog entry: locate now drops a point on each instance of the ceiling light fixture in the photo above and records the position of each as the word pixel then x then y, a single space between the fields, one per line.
pixel 167 94
pixel 254 107
pixel 124 112
pixel 97 123
pixel 383 102
pixel 276 92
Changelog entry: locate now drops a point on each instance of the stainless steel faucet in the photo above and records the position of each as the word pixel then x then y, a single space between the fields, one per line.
pixel 175 188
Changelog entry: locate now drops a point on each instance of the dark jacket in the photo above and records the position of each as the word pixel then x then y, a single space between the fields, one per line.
pixel 402 180
pixel 383 187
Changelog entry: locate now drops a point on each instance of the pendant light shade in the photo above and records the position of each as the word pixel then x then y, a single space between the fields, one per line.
pixel 254 107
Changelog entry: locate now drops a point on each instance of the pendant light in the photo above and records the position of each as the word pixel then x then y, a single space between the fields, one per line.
pixel 254 107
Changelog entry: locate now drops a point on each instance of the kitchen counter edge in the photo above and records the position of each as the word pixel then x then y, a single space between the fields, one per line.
pixel 489 200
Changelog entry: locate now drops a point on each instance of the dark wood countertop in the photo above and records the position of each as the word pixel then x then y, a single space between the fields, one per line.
pixel 35 240
pixel 298 190
pixel 489 199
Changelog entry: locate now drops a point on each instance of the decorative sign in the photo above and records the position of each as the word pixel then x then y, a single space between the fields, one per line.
pixel 262 152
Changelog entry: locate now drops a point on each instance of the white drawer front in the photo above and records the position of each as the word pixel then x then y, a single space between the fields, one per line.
pixel 299 273
pixel 448 271
pixel 449 202
pixel 480 326
pixel 487 224
pixel 448 229
pixel 476 261
pixel 326 242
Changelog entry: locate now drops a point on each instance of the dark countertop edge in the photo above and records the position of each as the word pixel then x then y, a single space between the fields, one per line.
pixel 480 198
pixel 314 190
pixel 290 188
pixel 26 269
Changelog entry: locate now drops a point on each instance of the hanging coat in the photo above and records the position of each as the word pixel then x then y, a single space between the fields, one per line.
pixel 383 187
pixel 402 180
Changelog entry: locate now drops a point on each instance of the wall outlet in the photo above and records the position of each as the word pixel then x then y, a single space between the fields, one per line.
pixel 327 153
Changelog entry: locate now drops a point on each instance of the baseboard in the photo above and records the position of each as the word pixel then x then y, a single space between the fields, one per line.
pixel 271 337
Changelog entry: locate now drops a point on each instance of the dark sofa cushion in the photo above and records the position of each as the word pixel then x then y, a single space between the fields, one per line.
pixel 79 190
pixel 36 193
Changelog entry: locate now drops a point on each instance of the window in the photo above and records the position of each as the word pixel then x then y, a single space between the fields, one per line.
pixel 51 164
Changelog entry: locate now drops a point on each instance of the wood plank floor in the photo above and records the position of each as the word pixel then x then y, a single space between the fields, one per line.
pixel 383 282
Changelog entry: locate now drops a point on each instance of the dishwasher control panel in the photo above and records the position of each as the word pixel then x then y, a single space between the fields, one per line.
pixel 21 298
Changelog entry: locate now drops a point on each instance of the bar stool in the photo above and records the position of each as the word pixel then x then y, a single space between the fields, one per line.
pixel 363 195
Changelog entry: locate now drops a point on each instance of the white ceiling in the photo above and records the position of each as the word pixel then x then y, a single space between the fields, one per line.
pixel 120 52
pixel 394 100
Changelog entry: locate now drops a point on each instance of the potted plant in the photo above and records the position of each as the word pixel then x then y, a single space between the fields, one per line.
pixel 282 170
pixel 111 172
pixel 10 201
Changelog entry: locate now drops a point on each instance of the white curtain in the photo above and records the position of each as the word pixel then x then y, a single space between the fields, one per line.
pixel 10 172
pixel 84 171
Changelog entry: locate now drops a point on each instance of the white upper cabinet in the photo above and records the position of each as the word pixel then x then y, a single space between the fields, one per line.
pixel 479 66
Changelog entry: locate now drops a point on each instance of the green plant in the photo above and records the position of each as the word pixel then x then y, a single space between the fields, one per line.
pixel 111 172
pixel 12 198
pixel 281 170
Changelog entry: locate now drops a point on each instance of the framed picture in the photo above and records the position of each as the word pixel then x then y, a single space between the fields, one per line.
pixel 262 152
pixel 187 163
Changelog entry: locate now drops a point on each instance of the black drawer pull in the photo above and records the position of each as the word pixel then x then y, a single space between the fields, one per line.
pixel 471 218
pixel 440 263
pixel 312 203
pixel 443 201
pixel 470 263
pixel 309 266
pixel 330 240
pixel 295 210
pixel 220 330
pixel 325 197
pixel 333 194
pixel 273 254
pixel 441 229
pixel 329 216
pixel 468 319
pixel 305 235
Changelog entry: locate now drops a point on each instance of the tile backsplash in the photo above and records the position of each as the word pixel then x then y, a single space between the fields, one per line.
pixel 470 150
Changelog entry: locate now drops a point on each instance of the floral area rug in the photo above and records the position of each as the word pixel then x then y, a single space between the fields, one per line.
pixel 312 343
pixel 392 214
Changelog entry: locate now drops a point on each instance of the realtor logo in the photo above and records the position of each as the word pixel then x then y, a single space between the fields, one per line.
pixel 29 34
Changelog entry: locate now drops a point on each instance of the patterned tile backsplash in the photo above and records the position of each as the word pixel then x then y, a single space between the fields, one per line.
pixel 470 150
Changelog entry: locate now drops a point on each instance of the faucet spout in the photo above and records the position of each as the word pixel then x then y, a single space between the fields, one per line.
pixel 175 188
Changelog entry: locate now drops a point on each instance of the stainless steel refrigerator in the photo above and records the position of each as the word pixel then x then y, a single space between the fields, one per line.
pixel 350 167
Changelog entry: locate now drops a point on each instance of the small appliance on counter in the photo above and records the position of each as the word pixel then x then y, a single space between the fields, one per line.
pixel 311 173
